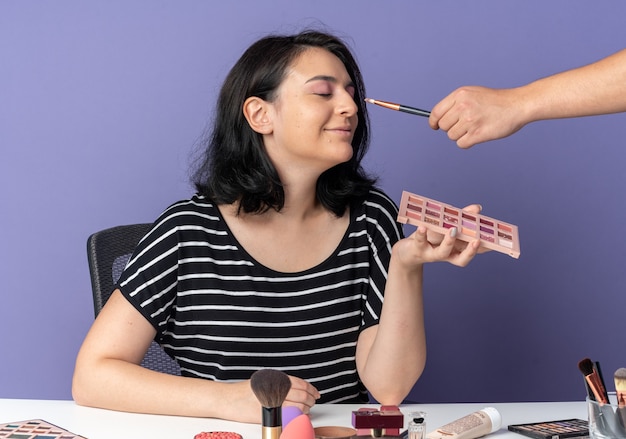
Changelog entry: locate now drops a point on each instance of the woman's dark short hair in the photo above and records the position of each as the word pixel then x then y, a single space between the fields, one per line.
pixel 234 165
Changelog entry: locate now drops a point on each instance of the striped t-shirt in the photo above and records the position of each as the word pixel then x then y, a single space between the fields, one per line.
pixel 222 315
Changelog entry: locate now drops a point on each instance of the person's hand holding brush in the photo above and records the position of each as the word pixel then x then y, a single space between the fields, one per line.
pixel 472 115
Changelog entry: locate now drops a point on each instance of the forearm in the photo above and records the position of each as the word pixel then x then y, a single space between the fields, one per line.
pixel 397 353
pixel 124 386
pixel 598 88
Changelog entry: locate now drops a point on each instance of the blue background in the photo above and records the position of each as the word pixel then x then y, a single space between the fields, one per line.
pixel 101 104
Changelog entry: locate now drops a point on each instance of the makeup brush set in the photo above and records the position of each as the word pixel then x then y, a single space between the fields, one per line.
pixel 607 412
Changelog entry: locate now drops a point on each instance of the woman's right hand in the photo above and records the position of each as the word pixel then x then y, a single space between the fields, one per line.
pixel 302 395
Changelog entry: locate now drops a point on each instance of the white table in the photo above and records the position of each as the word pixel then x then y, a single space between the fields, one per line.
pixel 104 424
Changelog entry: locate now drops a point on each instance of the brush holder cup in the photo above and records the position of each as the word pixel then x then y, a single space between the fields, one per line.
pixel 606 421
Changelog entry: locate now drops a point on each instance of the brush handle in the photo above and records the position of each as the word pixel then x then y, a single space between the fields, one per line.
pixel 595 387
pixel 272 422
pixel 413 110
pixel 272 417
pixel 601 381
pixel 271 432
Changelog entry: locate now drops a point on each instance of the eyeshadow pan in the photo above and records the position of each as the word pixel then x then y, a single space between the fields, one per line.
pixel 451 219
pixel 468 216
pixel 468 232
pixel 433 205
pixel 505 228
pixel 415 208
pixel 431 221
pixel 505 236
pixel 414 215
pixel 468 224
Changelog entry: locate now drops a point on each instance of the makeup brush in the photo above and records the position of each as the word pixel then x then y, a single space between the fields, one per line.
pixel 590 393
pixel 593 380
pixel 270 387
pixel 398 107
pixel 601 378
pixel 620 389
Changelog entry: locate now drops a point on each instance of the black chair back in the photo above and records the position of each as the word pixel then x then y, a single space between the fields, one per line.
pixel 108 252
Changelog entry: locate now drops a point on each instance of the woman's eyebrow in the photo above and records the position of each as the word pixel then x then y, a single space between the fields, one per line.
pixel 322 78
pixel 329 79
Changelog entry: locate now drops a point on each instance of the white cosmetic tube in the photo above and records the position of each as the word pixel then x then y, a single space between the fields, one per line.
pixel 474 425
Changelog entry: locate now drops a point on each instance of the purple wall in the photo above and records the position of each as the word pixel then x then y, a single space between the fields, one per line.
pixel 101 103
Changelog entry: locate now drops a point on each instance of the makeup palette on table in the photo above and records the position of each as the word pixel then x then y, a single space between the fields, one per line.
pixel 492 233
pixel 35 429
pixel 567 428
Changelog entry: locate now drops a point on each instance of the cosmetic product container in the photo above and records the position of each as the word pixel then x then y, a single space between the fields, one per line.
pixel 417 425
pixel 474 425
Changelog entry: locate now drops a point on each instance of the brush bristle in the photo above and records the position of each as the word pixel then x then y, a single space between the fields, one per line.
pixel 620 379
pixel 270 387
pixel 586 366
pixel 369 100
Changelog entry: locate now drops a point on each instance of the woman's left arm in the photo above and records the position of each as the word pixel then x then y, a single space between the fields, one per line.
pixel 391 355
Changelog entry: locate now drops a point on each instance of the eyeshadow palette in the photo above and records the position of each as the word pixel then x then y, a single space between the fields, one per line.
pixel 493 234
pixel 566 428
pixel 35 429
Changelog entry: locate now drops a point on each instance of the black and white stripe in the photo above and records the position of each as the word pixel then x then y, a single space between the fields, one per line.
pixel 222 315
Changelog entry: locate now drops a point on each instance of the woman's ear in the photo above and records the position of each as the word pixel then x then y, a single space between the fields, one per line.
pixel 256 112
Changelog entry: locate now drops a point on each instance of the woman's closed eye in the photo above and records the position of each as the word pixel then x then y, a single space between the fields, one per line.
pixel 326 86
pixel 323 89
pixel 329 93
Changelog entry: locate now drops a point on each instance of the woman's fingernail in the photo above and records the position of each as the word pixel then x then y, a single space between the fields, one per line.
pixel 453 232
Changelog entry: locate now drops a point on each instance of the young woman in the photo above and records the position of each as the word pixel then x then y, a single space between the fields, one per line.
pixel 281 260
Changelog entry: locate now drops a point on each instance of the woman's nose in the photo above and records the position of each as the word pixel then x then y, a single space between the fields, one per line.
pixel 347 106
